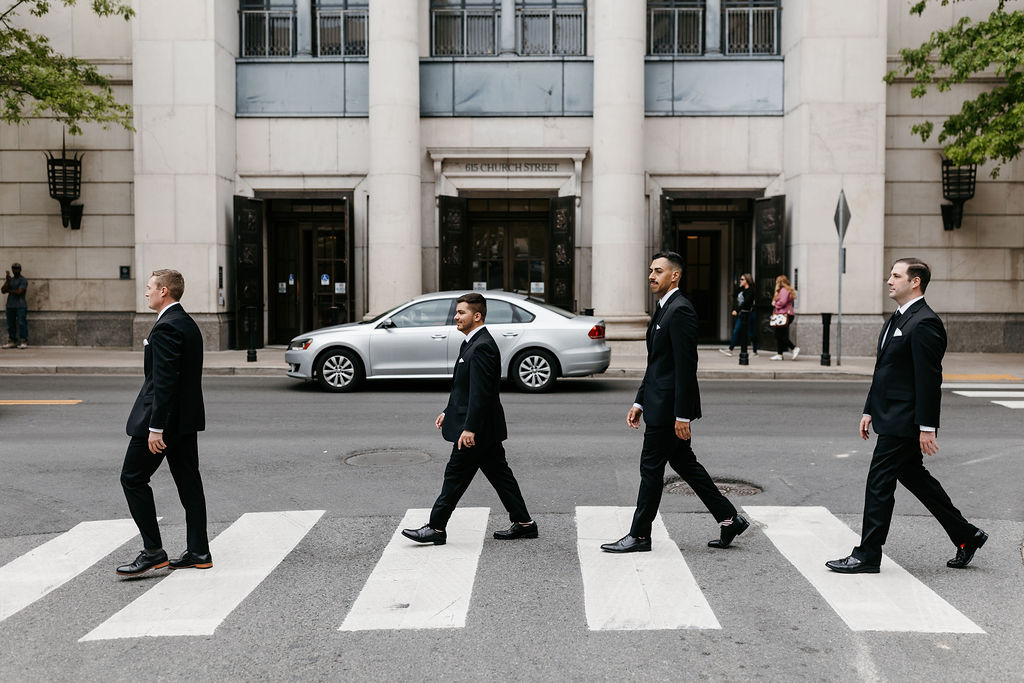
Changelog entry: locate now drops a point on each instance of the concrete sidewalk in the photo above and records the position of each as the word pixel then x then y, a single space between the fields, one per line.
pixel 628 360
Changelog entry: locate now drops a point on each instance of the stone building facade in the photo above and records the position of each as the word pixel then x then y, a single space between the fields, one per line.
pixel 308 162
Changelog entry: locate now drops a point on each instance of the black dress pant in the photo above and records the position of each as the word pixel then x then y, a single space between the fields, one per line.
pixel 182 454
pixel 900 459
pixel 462 467
pixel 661 445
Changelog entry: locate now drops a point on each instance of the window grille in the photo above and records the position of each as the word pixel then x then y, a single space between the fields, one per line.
pixel 675 30
pixel 268 33
pixel 341 32
pixel 464 32
pixel 552 31
pixel 751 27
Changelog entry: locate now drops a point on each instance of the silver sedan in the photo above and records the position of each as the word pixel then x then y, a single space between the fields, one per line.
pixel 418 340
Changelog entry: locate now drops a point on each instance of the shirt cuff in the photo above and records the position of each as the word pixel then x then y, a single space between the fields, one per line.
pixel 156 431
pixel 927 429
pixel 638 406
pixel 682 419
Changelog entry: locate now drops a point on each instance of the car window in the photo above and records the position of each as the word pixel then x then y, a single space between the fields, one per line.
pixel 499 312
pixel 523 315
pixel 554 309
pixel 433 313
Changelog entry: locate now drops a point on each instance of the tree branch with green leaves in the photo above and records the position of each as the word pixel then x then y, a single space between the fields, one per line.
pixel 989 127
pixel 37 81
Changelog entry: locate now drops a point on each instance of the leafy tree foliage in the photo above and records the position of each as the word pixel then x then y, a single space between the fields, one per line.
pixel 990 126
pixel 36 80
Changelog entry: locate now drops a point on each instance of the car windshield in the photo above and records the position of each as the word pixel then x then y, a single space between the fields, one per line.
pixel 554 309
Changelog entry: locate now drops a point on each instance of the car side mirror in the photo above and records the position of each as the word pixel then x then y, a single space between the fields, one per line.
pixel 387 324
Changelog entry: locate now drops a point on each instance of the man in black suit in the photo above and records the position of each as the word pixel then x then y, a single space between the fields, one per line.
pixel 164 423
pixel 475 422
pixel 669 399
pixel 903 406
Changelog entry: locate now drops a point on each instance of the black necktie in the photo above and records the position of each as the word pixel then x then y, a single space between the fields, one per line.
pixel 891 329
pixel 462 349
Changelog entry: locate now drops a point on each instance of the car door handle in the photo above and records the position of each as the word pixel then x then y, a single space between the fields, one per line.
pixel 509 334
pixel 439 336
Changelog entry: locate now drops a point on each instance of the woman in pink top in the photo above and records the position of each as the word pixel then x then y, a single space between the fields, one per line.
pixel 782 304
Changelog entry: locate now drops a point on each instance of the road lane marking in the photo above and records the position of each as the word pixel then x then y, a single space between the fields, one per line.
pixel 1015 405
pixel 636 591
pixel 973 385
pixel 418 586
pixel 893 600
pixel 990 394
pixel 53 402
pixel 193 602
pixel 54 563
pixel 978 377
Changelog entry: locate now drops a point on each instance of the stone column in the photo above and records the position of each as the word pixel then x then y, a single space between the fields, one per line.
pixel 183 93
pixel 620 250
pixel 835 140
pixel 395 253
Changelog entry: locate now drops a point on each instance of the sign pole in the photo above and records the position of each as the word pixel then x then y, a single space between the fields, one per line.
pixel 842 219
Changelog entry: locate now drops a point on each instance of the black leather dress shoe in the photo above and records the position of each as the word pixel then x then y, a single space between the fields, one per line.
pixel 730 531
pixel 517 530
pixel 191 560
pixel 425 534
pixel 965 553
pixel 851 565
pixel 628 544
pixel 145 562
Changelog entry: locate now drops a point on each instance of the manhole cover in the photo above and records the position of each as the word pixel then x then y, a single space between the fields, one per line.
pixel 728 487
pixel 376 457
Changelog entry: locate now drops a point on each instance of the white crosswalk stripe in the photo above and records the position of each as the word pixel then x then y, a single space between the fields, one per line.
pixel 992 392
pixel 891 601
pixel 195 602
pixel 636 591
pixel 418 586
pixel 54 563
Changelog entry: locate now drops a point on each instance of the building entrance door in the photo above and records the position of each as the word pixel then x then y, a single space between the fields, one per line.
pixel 700 245
pixel 309 266
pixel 522 245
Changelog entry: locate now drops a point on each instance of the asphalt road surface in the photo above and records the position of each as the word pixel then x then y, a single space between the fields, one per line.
pixel 283 585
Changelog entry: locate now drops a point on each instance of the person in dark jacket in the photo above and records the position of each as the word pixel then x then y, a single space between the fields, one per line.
pixel 903 407
pixel 745 315
pixel 164 423
pixel 474 422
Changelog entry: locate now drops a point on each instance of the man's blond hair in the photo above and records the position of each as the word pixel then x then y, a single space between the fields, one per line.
pixel 172 280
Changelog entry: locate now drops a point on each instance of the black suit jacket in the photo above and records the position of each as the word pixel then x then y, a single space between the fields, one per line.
pixel 906 386
pixel 171 397
pixel 474 405
pixel 669 388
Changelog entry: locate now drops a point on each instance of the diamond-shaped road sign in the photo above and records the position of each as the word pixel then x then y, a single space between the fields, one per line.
pixel 842 217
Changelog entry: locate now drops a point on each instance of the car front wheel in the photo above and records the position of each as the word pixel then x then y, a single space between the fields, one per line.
pixel 339 370
pixel 534 371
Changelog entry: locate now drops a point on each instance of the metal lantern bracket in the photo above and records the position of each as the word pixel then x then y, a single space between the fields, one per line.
pixel 958 184
pixel 64 176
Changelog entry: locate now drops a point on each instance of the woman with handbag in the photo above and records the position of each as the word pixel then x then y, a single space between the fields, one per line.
pixel 782 317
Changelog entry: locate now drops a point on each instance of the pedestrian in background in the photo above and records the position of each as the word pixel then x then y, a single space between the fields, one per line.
pixel 17 308
pixel 782 307
pixel 743 311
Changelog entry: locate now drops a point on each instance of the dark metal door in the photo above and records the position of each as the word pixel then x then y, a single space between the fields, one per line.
pixel 248 278
pixel 562 257
pixel 769 254
pixel 454 271
pixel 701 251
pixel 331 274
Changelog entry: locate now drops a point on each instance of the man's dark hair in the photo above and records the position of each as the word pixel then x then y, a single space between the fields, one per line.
pixel 917 268
pixel 476 303
pixel 672 257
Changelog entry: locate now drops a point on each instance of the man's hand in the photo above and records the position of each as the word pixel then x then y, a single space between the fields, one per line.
pixel 683 430
pixel 439 421
pixel 467 439
pixel 156 443
pixel 633 417
pixel 929 446
pixel 865 427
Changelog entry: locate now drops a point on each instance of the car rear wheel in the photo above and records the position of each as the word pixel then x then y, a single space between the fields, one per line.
pixel 339 370
pixel 534 371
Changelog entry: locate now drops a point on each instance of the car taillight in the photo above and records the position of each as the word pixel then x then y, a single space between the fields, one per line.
pixel 596 332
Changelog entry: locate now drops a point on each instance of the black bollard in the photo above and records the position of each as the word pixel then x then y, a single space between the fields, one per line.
pixel 744 338
pixel 826 322
pixel 250 319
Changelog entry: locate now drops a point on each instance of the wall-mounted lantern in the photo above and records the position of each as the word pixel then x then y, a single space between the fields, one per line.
pixel 957 187
pixel 65 178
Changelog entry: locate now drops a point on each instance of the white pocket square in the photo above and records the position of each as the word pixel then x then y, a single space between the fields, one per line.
pixel 462 360
pixel 145 342
pixel 657 327
pixel 897 333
